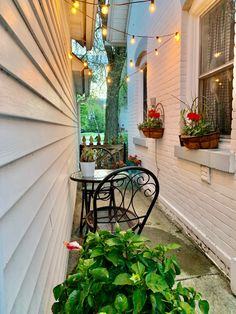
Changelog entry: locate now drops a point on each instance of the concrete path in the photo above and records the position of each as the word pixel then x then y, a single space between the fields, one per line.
pixel 197 270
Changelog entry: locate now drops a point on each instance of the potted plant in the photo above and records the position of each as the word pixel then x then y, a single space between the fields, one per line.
pixel 134 161
pixel 197 130
pixel 87 161
pixel 120 273
pixel 153 126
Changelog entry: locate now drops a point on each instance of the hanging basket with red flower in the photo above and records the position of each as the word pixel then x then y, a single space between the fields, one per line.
pixel 198 130
pixel 153 126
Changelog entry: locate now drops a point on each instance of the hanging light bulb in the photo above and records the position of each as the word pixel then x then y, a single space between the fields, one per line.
pixel 132 40
pixel 104 31
pixel 127 79
pixel 89 73
pixel 141 70
pixel 76 4
pixel 70 56
pixel 85 64
pixel 177 36
pixel 152 6
pixel 108 68
pixel 104 9
pixel 131 63
pixel 73 10
pixel 156 52
pixel 108 80
pixel 158 38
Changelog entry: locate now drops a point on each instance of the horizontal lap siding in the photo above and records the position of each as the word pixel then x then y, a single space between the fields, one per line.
pixel 208 211
pixel 38 125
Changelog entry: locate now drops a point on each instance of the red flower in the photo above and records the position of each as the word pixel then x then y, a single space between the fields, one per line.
pixel 194 116
pixel 72 246
pixel 152 113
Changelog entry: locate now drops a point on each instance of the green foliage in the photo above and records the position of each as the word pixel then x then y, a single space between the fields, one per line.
pixel 151 123
pixel 88 155
pixel 120 273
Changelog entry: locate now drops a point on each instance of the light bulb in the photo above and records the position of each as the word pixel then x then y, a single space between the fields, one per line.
pixel 141 70
pixel 158 38
pixel 70 56
pixel 85 64
pixel 76 4
pixel 104 31
pixel 131 64
pixel 152 6
pixel 127 79
pixel 132 40
pixel 109 80
pixel 104 9
pixel 89 73
pixel 156 52
pixel 108 68
pixel 73 10
pixel 177 36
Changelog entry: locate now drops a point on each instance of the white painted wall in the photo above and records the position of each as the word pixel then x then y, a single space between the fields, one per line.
pixel 206 211
pixel 37 152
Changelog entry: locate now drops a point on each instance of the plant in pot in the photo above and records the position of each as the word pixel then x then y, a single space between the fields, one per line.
pixel 87 161
pixel 119 273
pixel 197 129
pixel 153 126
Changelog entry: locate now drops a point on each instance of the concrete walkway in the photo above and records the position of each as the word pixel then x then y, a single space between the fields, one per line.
pixel 197 270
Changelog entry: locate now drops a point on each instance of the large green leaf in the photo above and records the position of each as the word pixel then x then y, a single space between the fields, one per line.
pixel 114 257
pixel 204 306
pixel 187 308
pixel 72 301
pixel 139 299
pixel 138 268
pixel 113 241
pixel 98 251
pixel 155 282
pixel 100 273
pixel 121 302
pixel 123 279
pixel 57 291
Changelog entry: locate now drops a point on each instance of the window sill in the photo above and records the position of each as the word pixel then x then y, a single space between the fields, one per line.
pixel 140 141
pixel 220 159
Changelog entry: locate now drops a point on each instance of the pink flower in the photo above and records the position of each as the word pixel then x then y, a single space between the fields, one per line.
pixel 72 246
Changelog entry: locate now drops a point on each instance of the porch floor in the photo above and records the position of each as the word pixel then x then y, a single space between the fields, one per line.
pixel 197 270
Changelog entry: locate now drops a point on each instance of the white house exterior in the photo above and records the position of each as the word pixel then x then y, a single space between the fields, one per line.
pixel 197 188
pixel 38 145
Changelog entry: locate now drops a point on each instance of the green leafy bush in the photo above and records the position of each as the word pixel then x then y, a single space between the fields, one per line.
pixel 120 273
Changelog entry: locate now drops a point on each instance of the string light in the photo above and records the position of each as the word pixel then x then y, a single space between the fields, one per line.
pixel 131 63
pixel 127 79
pixel 104 9
pixel 141 70
pixel 132 40
pixel 85 64
pixel 108 80
pixel 156 52
pixel 89 73
pixel 104 31
pixel 177 36
pixel 158 38
pixel 70 56
pixel 73 10
pixel 108 68
pixel 152 6
pixel 76 4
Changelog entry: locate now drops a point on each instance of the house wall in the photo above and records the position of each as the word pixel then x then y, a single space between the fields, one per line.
pixel 37 152
pixel 206 210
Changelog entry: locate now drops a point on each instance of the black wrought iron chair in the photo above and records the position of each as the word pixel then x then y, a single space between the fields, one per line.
pixel 128 201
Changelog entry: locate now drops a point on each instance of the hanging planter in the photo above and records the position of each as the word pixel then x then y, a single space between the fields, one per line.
pixel 207 141
pixel 153 127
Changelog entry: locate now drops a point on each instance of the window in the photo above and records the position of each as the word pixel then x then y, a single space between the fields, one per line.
pixel 145 93
pixel 216 63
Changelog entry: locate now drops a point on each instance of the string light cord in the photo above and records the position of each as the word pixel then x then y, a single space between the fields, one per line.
pixel 113 4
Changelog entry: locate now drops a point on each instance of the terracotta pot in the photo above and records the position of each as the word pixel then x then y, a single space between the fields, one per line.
pixel 153 132
pixel 207 141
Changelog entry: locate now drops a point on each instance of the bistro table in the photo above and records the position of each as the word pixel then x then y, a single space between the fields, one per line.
pixel 89 185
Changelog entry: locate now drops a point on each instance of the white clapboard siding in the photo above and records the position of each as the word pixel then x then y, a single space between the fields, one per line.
pixel 38 138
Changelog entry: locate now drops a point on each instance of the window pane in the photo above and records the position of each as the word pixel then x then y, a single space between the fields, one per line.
pixel 217 36
pixel 218 91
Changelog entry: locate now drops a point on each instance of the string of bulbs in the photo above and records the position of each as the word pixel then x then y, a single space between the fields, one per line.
pixel 105 7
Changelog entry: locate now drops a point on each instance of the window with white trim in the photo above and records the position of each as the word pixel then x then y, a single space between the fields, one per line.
pixel 216 62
